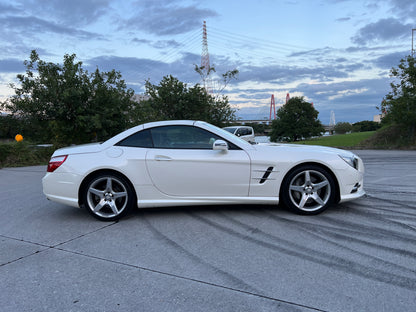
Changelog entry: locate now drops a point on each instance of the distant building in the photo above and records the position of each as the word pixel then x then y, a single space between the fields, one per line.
pixel 378 118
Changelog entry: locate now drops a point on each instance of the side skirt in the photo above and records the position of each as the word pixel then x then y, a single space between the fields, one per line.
pixel 200 201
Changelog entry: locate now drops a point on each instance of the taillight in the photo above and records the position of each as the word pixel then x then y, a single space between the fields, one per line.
pixel 55 162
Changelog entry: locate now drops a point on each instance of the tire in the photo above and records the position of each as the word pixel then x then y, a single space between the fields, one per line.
pixel 308 190
pixel 108 196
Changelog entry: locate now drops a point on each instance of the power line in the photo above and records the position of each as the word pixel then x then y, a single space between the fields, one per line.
pixel 189 42
pixel 254 39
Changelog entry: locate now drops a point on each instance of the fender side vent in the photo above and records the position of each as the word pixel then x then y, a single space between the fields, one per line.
pixel 266 175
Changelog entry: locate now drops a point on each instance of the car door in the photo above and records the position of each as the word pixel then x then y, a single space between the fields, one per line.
pixel 245 133
pixel 183 163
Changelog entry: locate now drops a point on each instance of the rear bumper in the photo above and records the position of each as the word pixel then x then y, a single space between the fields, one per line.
pixel 61 188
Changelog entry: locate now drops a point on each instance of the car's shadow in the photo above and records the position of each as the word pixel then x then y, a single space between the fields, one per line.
pixel 70 213
pixel 206 209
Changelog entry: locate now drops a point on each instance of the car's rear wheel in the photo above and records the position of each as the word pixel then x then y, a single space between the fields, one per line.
pixel 108 196
pixel 308 189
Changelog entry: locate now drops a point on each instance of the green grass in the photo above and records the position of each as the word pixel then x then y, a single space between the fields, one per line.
pixel 391 137
pixel 340 140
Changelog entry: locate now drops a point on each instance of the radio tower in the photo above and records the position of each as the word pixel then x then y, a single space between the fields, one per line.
pixel 272 106
pixel 205 66
pixel 332 119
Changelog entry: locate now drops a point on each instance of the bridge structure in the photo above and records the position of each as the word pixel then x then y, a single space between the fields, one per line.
pixel 328 128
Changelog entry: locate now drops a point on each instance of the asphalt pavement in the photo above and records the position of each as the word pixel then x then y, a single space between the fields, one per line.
pixel 357 256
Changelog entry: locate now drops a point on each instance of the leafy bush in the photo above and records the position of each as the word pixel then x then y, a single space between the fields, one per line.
pixel 342 127
pixel 66 104
pixel 390 137
pixel 5 151
pixel 365 125
pixel 23 153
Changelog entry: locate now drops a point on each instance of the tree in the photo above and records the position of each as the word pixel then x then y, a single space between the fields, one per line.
pixel 400 104
pixel 365 125
pixel 65 104
pixel 173 99
pixel 297 119
pixel 10 126
pixel 342 127
pixel 221 84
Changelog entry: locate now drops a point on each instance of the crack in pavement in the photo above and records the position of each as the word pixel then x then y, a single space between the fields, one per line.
pixel 48 247
pixel 168 274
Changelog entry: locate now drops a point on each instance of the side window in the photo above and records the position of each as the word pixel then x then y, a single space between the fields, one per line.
pixel 183 137
pixel 243 131
pixel 139 139
pixel 248 131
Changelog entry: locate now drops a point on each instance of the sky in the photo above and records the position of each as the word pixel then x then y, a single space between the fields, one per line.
pixel 335 53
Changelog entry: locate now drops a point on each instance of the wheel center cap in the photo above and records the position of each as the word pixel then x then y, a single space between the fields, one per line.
pixel 308 190
pixel 108 197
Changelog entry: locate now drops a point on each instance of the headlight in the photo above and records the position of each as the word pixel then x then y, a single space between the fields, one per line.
pixel 350 160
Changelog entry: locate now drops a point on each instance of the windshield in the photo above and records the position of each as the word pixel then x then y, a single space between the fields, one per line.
pixel 227 135
pixel 230 129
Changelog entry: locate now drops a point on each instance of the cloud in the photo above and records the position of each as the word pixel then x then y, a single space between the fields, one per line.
pixel 314 52
pixel 387 29
pixel 11 66
pixel 141 41
pixel 7 8
pixel 161 18
pixel 405 8
pixel 25 21
pixel 74 13
pixel 36 26
pixel 344 98
pixel 390 60
pixel 323 91
pixel 160 44
pixel 343 19
pixel 136 71
pixel 347 98
pixel 288 74
pixel 259 112
pixel 367 49
pixel 255 95
pixel 166 44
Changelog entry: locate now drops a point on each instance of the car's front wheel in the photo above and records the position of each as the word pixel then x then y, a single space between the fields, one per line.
pixel 308 189
pixel 108 196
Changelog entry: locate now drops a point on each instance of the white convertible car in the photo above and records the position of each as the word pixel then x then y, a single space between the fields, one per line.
pixel 176 163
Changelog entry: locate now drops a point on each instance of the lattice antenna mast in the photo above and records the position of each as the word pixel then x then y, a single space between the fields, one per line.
pixel 332 119
pixel 205 66
pixel 272 108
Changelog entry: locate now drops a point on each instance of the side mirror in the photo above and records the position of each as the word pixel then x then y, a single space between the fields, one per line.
pixel 220 145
